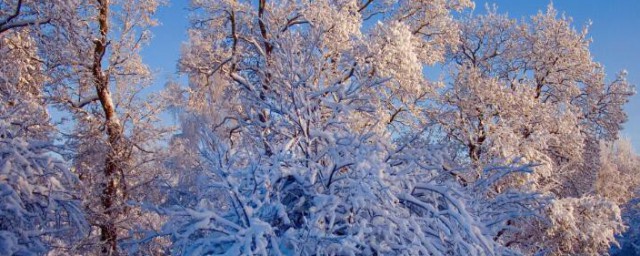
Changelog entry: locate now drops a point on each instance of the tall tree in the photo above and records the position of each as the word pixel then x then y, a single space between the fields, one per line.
pixel 531 89
pixel 40 210
pixel 298 156
pixel 113 135
pixel 119 122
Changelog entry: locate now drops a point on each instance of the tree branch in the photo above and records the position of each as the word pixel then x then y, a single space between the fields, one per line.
pixel 13 16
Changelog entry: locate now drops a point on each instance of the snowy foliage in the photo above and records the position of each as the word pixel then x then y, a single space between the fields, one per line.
pixel 630 240
pixel 39 208
pixel 618 181
pixel 356 203
pixel 310 127
pixel 584 225
pixel 84 62
pixel 531 89
pixel 300 159
pixel 618 178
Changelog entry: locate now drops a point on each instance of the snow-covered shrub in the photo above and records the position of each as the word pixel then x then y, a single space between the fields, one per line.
pixel 585 225
pixel 362 204
pixel 38 208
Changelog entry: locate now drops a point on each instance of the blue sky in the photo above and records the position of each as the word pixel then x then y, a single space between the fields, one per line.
pixel 615 32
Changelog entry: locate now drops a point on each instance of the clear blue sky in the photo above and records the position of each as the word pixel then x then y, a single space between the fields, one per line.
pixel 615 32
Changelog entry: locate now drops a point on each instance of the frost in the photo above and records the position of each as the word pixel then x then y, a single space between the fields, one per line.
pixel 309 127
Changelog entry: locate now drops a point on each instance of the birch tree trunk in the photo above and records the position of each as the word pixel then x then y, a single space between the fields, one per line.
pixel 114 157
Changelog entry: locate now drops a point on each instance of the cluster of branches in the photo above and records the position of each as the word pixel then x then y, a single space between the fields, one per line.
pixel 309 127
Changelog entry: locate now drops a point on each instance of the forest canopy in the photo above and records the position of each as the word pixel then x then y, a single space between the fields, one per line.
pixel 310 127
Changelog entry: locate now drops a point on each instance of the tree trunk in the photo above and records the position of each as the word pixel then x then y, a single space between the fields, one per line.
pixel 113 161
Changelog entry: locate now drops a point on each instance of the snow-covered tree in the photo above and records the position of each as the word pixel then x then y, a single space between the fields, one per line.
pixel 310 127
pixel 17 14
pixel 618 177
pixel 365 201
pixel 89 51
pixel 619 181
pixel 115 129
pixel 585 226
pixel 531 89
pixel 39 206
pixel 310 142
pixel 630 239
